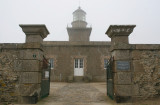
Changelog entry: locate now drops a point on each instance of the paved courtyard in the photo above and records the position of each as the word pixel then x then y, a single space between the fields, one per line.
pixel 76 94
pixel 83 94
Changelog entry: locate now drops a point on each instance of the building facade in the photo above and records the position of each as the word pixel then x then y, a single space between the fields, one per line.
pixel 78 59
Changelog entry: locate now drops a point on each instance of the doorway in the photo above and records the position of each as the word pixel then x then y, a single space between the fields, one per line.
pixel 79 67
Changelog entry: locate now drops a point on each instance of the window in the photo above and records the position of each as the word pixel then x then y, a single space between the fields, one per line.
pixel 105 63
pixel 76 63
pixel 79 17
pixel 81 63
pixel 51 61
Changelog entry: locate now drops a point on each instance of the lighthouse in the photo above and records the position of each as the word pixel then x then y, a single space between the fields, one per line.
pixel 79 30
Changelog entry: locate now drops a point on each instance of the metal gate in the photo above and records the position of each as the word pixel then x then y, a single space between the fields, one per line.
pixel 45 83
pixel 109 78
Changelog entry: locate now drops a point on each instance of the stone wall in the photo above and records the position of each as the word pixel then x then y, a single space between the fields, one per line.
pixel 136 68
pixel 146 74
pixel 64 54
pixel 20 72
pixel 143 77
pixel 9 79
pixel 21 67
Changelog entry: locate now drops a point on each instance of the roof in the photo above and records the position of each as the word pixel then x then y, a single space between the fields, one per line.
pixel 79 10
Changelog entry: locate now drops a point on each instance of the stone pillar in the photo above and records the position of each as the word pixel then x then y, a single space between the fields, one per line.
pixel 122 70
pixel 30 63
pixel 34 33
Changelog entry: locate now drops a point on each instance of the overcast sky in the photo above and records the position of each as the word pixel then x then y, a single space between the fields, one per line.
pixel 56 14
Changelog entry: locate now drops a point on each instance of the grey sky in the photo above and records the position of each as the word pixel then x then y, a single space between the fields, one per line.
pixel 56 14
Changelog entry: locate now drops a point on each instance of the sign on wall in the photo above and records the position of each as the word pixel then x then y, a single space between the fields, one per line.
pixel 46 74
pixel 123 65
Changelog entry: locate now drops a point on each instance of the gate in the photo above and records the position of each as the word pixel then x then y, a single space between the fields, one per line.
pixel 109 78
pixel 45 83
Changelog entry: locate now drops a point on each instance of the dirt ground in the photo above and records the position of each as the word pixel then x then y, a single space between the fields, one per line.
pixel 83 94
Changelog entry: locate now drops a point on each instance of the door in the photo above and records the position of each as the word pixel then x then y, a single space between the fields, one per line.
pixel 45 82
pixel 78 67
pixel 109 74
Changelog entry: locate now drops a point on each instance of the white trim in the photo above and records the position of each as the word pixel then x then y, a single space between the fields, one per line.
pixel 78 67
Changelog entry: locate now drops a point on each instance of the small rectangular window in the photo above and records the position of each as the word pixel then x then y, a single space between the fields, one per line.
pixel 81 63
pixel 105 63
pixel 51 61
pixel 76 63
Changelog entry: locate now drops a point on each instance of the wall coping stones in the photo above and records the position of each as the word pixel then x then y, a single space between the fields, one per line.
pixel 11 46
pixel 148 46
pixel 67 43
pixel 124 46
pixel 34 45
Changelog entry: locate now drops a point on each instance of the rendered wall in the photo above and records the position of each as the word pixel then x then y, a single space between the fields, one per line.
pixel 64 54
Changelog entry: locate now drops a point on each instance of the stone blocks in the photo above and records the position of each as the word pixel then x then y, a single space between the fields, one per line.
pixel 34 32
pixel 147 46
pixel 30 77
pixel 26 65
pixel 119 33
pixel 121 54
pixel 122 78
pixel 21 66
pixel 136 89
pixel 117 39
pixel 79 34
pixel 136 54
pixel 28 89
pixel 31 46
pixel 31 54
pixel 122 67
pixel 34 38
pixel 123 90
pixel 120 30
pixel 138 67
